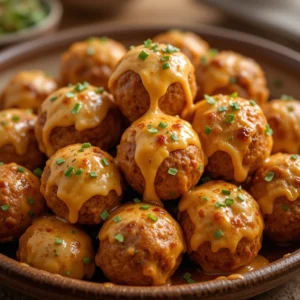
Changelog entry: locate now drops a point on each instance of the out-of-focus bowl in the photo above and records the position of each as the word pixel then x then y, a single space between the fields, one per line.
pixel 46 26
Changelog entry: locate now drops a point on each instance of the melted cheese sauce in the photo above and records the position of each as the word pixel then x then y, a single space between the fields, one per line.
pixel 60 112
pixel 240 220
pixel 57 247
pixel 16 128
pixel 286 181
pixel 156 80
pixel 286 118
pixel 225 136
pixel 75 190
pixel 164 236
pixel 28 90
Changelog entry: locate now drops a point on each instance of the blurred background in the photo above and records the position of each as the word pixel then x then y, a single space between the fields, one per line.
pixel 276 20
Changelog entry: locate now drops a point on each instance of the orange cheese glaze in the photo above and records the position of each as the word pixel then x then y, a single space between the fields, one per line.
pixel 286 181
pixel 221 137
pixel 285 115
pixel 75 190
pixel 58 247
pixel 14 129
pixel 93 110
pixel 240 220
pixel 132 214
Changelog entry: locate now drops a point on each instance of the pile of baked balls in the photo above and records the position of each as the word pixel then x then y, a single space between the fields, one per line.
pixel 171 119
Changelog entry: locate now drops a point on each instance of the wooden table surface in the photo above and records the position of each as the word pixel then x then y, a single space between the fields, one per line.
pixel 179 12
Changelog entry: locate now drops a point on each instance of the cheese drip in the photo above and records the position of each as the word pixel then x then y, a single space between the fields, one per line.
pixel 16 126
pixel 57 247
pixel 284 184
pixel 156 80
pixel 287 132
pixel 164 238
pixel 75 190
pixel 240 220
pixel 61 112
pixel 225 136
pixel 153 148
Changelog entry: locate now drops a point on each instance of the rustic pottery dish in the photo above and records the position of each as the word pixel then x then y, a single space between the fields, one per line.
pixel 279 63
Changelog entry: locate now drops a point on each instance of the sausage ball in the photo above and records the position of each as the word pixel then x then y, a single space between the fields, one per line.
pixel 27 90
pixel 140 244
pixel 161 157
pixel 55 246
pixel 284 118
pixel 276 187
pixel 153 74
pixel 20 200
pixel 234 134
pixel 17 140
pixel 92 60
pixel 222 226
pixel 78 114
pixel 188 42
pixel 228 72
pixel 81 183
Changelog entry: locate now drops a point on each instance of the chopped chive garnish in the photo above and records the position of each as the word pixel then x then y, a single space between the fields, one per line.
pixel 131 47
pixel 252 102
pixel 221 109
pixel 117 219
pixel 104 215
pixel 145 207
pixel 229 118
pixel 103 39
pixel 240 188
pixel 52 99
pixel 229 201
pixel 165 58
pixel 87 260
pixel 38 172
pixel 69 172
pixel 241 197
pixel 99 90
pixel 152 217
pixel 30 201
pixel 207 130
pixel 286 97
pixel 174 137
pixel 15 118
pixel 269 177
pixel 234 95
pixel 172 171
pixel 200 168
pixel 90 51
pixel 152 130
pixel 235 106
pixel 76 108
pixel 78 172
pixel 68 272
pixel 31 213
pixel 205 179
pixel 166 66
pixel 294 157
pixel 86 145
pixel 119 237
pixel 205 198
pixel 213 52
pixel 218 205
pixel 137 200
pixel 219 234
pixel 60 161
pixel 20 169
pixel 79 87
pixel 204 60
pixel 268 130
pixel 105 161
pixel 209 99
pixel 93 175
pixel 58 241
pixel 1 163
pixel 143 55
pixel 5 207
pixel 188 278
pixel 232 80
pixel 170 49
pixel 285 207
pixel 226 192
pixel 148 43
pixel 70 94
pixel 162 125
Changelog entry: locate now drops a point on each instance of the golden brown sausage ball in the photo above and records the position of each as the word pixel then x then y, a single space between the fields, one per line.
pixel 222 226
pixel 188 42
pixel 78 114
pixel 92 60
pixel 161 157
pixel 153 73
pixel 140 244
pixel 55 246
pixel 276 187
pixel 80 182
pixel 284 118
pixel 229 72
pixel 234 134
pixel 17 139
pixel 27 90
pixel 20 200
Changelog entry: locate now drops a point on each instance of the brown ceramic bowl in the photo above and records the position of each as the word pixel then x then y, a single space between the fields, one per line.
pixel 278 62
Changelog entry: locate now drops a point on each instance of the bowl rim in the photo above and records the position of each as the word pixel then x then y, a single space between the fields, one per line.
pixel 12 270
pixel 50 21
